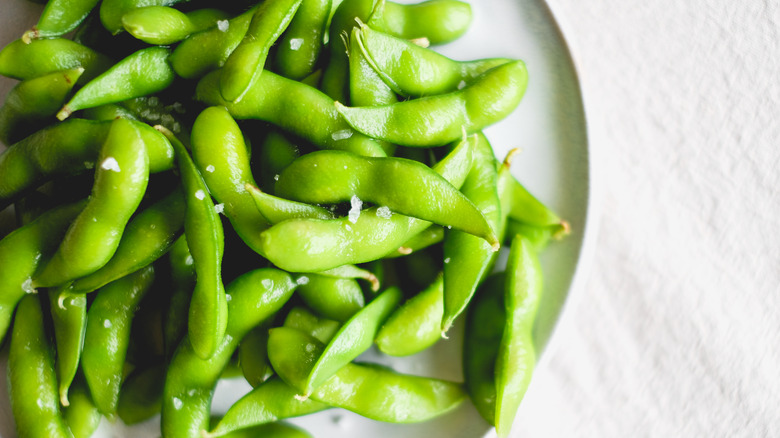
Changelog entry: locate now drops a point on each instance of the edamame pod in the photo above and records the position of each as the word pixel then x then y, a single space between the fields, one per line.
pixel 25 61
pixel 144 72
pixel 32 102
pixel 331 297
pixel 353 338
pixel 208 50
pixel 180 263
pixel 69 314
pixel 147 237
pixel 60 17
pixel 327 177
pixel 516 357
pixel 162 25
pixel 356 386
pixel 112 11
pixel 293 106
pixel 226 171
pixel 190 382
pixel 22 251
pixel 253 355
pixel 120 182
pixel 467 259
pixel 276 209
pixel 81 416
pixel 369 236
pixel 141 394
pixel 300 46
pixel 107 335
pixel 416 325
pixel 411 70
pixel 437 120
pixel 206 241
pixel 32 382
pixel 272 401
pixel 68 148
pixel 244 66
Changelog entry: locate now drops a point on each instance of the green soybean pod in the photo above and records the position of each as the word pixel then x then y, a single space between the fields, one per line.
pixel 437 120
pixel 485 321
pixel 468 260
pixel 276 209
pixel 32 381
pixel 206 240
pixel 190 381
pixel 81 416
pixel 21 253
pixel 335 176
pixel 181 265
pixel 226 171
pixel 163 25
pixel 272 401
pixel 33 102
pixel 375 233
pixel 372 391
pixel 147 237
pixel 60 17
pixel 107 336
pixel 69 314
pixel 269 430
pixel 208 50
pixel 144 72
pixel 300 46
pixel 68 148
pixel 120 182
pixel 141 394
pixel 411 70
pixel 438 21
pixel 294 107
pixel 112 11
pixel 244 65
pixel 537 236
pixel 353 338
pixel 424 239
pixel 24 61
pixel 323 329
pixel 331 297
pixel 416 325
pixel 253 355
pixel 516 357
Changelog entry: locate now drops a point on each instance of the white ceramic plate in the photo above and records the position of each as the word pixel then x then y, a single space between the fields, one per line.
pixel 555 165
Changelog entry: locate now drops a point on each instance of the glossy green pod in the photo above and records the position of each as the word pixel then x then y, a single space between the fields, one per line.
pixel 32 381
pixel 147 237
pixel 33 102
pixel 144 72
pixel 107 336
pixel 21 253
pixel 25 61
pixel 438 120
pixel 163 25
pixel 244 66
pixel 416 325
pixel 372 391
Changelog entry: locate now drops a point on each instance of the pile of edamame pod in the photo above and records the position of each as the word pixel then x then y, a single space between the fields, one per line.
pixel 211 190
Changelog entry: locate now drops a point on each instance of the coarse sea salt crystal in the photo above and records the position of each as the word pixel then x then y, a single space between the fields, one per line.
pixel 210 168
pixel 296 43
pixel 354 212
pixel 200 195
pixel 27 286
pixel 302 280
pixel 107 323
pixel 223 25
pixel 177 403
pixel 219 208
pixel 110 163
pixel 384 212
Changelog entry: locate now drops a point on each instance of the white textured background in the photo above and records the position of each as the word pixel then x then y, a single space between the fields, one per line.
pixel 677 330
